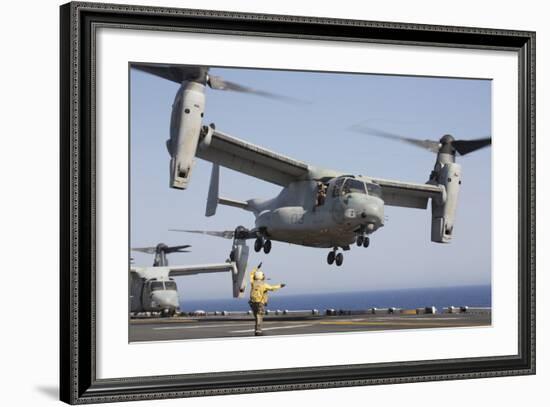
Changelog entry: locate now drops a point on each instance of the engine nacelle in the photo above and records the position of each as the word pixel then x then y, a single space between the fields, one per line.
pixel 443 211
pixel 185 129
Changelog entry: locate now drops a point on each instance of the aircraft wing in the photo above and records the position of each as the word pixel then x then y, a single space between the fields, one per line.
pixel 250 159
pixel 176 271
pixel 408 194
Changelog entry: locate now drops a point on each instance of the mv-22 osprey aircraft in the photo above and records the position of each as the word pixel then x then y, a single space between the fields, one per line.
pixel 316 207
pixel 153 289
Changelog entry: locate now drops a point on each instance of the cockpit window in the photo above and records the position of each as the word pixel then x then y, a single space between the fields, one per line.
pixel 163 285
pixel 337 187
pixel 170 285
pixel 374 189
pixel 157 285
pixel 353 186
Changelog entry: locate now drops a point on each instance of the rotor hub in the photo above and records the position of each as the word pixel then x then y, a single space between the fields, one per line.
pixel 446 144
pixel 161 247
pixel 446 139
pixel 241 232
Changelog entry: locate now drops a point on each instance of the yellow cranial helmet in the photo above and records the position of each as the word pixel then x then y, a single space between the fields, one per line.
pixel 259 275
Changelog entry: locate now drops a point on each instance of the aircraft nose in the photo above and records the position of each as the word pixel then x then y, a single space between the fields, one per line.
pixel 373 211
pixel 166 299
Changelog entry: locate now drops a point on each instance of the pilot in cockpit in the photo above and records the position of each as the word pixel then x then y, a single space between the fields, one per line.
pixel 321 194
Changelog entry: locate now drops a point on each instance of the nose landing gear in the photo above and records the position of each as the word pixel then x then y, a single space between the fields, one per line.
pixel 363 240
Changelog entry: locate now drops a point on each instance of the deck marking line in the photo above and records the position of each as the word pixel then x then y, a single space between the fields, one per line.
pixel 198 326
pixel 396 323
pixel 273 328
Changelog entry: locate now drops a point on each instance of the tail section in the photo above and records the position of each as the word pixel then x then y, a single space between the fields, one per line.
pixel 214 195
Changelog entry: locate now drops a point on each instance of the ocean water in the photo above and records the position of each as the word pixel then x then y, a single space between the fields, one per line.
pixel 472 296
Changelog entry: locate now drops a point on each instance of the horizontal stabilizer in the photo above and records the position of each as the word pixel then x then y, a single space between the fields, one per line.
pixel 232 202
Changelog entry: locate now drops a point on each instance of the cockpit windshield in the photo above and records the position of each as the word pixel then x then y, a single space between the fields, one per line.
pixel 374 189
pixel 170 285
pixel 354 186
pixel 163 285
pixel 157 285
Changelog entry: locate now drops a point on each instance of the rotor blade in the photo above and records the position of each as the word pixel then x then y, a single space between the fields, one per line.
pixel 184 246
pixel 430 145
pixel 174 73
pixel 148 250
pixel 178 249
pixel 226 234
pixel 464 147
pixel 218 83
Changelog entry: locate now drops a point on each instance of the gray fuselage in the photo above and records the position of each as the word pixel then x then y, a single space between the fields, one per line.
pixel 295 215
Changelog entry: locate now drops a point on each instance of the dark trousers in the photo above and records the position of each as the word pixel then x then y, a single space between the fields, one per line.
pixel 258 309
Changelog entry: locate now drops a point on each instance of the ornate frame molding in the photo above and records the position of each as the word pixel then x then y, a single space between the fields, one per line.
pixel 79 21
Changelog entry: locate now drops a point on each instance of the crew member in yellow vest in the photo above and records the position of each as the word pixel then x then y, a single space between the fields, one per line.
pixel 258 296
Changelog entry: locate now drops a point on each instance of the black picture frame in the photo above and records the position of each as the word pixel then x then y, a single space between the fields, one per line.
pixel 78 382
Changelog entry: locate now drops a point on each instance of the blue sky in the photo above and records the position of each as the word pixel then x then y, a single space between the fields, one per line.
pixel 401 254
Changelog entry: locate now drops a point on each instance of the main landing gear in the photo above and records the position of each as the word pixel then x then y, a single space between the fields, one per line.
pixel 262 243
pixel 334 257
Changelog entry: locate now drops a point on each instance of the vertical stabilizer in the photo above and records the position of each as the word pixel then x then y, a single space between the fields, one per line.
pixel 213 191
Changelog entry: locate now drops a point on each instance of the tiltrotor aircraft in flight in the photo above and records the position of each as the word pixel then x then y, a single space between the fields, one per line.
pixel 317 207
pixel 153 289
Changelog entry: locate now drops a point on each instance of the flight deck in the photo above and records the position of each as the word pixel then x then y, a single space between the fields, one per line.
pixel 228 325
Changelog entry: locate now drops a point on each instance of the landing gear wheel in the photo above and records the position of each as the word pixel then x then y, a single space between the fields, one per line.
pixel 339 259
pixel 360 240
pixel 330 258
pixel 267 246
pixel 258 244
pixel 366 242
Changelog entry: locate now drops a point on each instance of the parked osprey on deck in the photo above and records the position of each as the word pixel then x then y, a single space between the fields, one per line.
pixel 316 207
pixel 153 289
